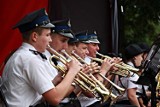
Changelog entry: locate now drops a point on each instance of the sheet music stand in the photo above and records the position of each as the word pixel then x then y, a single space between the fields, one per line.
pixel 151 68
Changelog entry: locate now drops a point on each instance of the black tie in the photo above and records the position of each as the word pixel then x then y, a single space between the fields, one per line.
pixel 38 53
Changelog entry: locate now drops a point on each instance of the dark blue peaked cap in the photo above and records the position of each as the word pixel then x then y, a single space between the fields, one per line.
pixel 92 35
pixel 38 18
pixel 73 40
pixel 82 37
pixel 63 27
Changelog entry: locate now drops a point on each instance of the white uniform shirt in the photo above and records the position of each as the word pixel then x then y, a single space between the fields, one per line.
pixel 86 101
pixel 26 77
pixel 55 71
pixel 139 88
pixel 127 83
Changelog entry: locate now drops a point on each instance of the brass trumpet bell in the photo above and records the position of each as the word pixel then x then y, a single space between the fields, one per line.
pixel 121 65
pixel 122 70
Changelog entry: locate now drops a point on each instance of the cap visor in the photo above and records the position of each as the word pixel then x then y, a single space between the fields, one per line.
pixel 94 41
pixel 72 41
pixel 69 35
pixel 85 41
pixel 49 25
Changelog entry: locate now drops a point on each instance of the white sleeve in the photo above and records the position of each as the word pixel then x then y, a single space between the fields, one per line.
pixel 37 76
pixel 131 84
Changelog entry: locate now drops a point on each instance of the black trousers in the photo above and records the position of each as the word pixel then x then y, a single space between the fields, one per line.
pixel 96 104
pixel 123 103
pixel 106 104
pixel 74 102
pixel 127 102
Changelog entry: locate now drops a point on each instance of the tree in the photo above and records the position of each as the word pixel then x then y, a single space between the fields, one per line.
pixel 140 20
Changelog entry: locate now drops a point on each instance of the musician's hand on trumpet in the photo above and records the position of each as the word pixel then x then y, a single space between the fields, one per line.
pixel 94 67
pixel 107 64
pixel 116 60
pixel 86 69
pixel 74 66
pixel 105 68
pixel 124 69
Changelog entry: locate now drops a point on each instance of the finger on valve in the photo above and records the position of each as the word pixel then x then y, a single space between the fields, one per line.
pixel 107 64
pixel 74 65
pixel 117 59
pixel 86 69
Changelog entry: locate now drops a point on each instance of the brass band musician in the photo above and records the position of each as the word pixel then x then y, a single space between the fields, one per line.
pixel 60 35
pixel 27 77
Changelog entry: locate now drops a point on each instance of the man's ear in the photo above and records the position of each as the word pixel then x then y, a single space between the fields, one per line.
pixel 34 36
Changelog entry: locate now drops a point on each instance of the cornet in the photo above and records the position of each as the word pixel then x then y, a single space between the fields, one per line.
pixel 78 58
pixel 123 71
pixel 158 88
pixel 113 84
pixel 85 82
pixel 122 66
pixel 158 83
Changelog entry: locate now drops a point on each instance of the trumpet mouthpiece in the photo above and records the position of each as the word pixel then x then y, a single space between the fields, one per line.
pixel 48 46
pixel 97 53
pixel 63 51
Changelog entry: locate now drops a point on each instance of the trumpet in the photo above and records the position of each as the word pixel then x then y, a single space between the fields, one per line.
pixel 158 88
pixel 120 65
pixel 113 84
pixel 78 58
pixel 123 71
pixel 93 78
pixel 158 83
pixel 85 82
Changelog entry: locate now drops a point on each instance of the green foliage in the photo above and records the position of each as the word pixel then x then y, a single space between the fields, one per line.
pixel 141 21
